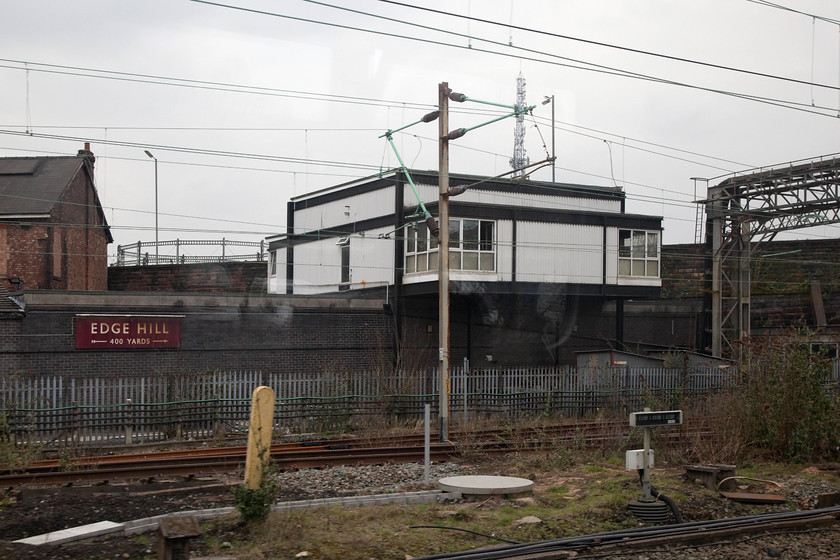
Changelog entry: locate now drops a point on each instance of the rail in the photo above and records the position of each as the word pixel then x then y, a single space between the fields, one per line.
pixel 145 253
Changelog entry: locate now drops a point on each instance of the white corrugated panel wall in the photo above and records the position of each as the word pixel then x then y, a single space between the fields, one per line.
pixel 504 250
pixel 371 259
pixel 564 253
pixel 332 214
pixel 429 193
pixel 277 282
pixel 317 267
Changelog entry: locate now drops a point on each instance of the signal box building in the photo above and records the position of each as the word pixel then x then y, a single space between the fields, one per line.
pixel 523 255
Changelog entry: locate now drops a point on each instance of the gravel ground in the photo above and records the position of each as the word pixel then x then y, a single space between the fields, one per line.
pixel 45 511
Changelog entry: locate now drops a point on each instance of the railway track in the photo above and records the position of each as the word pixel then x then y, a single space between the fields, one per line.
pixel 314 454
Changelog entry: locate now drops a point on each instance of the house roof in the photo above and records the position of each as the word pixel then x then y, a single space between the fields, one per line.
pixel 31 187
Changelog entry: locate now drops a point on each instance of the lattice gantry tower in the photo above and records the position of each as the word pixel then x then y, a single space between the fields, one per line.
pixel 519 159
pixel 746 210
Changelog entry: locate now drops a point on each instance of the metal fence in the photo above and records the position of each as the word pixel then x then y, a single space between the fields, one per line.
pixel 182 251
pixel 56 411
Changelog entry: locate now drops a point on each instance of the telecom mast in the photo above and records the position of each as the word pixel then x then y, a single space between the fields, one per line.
pixel 519 159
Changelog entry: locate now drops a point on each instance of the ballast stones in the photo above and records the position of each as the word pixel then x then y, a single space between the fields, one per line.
pixel 486 485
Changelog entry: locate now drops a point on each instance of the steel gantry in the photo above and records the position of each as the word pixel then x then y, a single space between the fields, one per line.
pixel 745 210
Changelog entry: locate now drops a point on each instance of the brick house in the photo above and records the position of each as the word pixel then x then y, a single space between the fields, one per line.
pixel 53 232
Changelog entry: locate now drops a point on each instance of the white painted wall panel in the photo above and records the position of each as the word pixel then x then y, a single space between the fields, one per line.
pixel 361 207
pixel 612 255
pixel 504 250
pixel 564 253
pixel 277 283
pixel 371 259
pixel 318 263
pixel 317 267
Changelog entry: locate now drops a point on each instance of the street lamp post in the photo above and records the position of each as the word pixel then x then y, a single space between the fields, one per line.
pixel 148 153
pixel 550 99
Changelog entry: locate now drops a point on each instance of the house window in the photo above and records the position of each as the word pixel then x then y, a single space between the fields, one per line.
pixel 272 263
pixel 472 246
pixel 638 253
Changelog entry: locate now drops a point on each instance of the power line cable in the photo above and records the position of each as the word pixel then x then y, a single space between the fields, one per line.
pixel 792 10
pixel 609 45
pixel 806 108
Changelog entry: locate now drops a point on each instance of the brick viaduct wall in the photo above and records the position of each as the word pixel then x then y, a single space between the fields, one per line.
pixel 223 277
pixel 229 333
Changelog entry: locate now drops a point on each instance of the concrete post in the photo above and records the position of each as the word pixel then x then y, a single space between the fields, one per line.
pixel 259 435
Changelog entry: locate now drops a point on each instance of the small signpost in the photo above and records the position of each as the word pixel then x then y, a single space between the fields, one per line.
pixel 642 459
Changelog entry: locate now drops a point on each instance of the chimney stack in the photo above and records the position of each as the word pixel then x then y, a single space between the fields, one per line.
pixel 87 154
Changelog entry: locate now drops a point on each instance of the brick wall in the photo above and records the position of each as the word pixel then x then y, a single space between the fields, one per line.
pixel 62 252
pixel 270 334
pixel 225 277
pixel 83 249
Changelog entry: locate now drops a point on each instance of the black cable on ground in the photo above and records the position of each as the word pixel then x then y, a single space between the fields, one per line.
pixel 659 496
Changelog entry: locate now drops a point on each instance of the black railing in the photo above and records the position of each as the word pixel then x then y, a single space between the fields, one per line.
pixel 145 253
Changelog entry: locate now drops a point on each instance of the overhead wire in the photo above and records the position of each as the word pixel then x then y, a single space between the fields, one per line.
pixel 589 66
pixel 795 11
pixel 370 167
pixel 611 46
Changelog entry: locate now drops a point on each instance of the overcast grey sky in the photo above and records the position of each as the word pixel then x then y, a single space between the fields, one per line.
pixel 247 103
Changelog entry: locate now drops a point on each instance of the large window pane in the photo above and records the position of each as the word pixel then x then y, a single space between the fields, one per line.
pixel 624 243
pixel 486 236
pixel 422 262
pixel 455 260
pixel 411 239
pixel 653 268
pixel 652 245
pixel 470 261
pixel 433 261
pixel 638 244
pixel 471 235
pixel 454 234
pixel 638 267
pixel 410 265
pixel 624 267
pixel 422 234
pixel 487 261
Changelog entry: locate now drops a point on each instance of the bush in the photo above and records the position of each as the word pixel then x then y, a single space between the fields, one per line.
pixel 787 404
pixel 255 504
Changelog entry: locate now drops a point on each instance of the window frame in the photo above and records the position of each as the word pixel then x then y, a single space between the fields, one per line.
pixel 422 249
pixel 639 253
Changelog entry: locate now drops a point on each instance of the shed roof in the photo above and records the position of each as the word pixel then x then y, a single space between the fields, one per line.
pixel 9 305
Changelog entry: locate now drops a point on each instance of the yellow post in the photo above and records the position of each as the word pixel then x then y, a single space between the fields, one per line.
pixel 259 435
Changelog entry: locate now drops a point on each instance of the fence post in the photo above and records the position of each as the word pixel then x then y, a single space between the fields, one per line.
pixel 466 368
pixel 179 428
pixel 129 435
pixel 74 429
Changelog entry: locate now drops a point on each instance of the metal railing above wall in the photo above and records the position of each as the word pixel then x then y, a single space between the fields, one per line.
pixel 145 253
